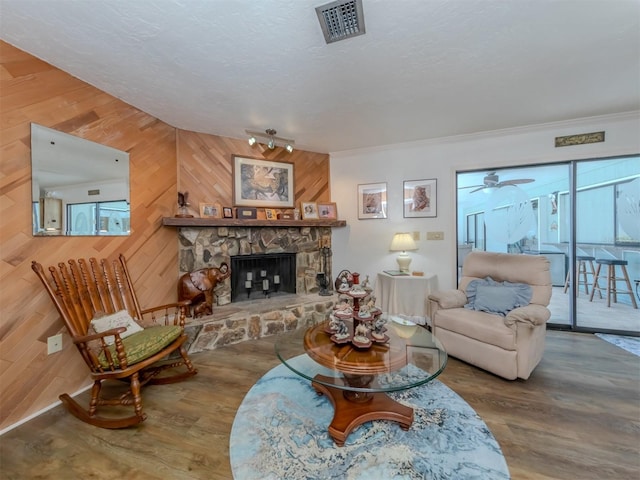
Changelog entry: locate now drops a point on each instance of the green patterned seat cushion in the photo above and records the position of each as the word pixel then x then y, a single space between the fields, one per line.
pixel 144 344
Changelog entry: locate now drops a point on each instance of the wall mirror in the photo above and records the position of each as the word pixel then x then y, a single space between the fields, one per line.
pixel 79 187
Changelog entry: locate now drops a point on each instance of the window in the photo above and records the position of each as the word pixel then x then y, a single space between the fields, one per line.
pixel 99 218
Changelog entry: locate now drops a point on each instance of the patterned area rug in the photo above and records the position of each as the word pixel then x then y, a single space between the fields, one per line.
pixel 280 432
pixel 630 344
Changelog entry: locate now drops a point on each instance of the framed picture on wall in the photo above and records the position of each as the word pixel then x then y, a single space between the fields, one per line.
pixel 372 200
pixel 420 198
pixel 227 212
pixel 328 210
pixel 262 183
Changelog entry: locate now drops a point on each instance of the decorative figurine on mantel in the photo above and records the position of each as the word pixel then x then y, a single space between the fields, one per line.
pixel 183 205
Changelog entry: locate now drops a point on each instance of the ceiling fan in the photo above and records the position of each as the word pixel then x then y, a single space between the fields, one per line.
pixel 492 180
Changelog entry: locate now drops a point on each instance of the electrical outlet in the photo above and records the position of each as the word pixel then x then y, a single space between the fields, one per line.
pixel 435 235
pixel 416 236
pixel 54 344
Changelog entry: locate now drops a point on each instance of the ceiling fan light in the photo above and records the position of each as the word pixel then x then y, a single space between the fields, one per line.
pixel 288 147
pixel 271 144
pixel 252 141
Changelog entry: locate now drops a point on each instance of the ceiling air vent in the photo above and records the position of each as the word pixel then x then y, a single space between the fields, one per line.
pixel 341 20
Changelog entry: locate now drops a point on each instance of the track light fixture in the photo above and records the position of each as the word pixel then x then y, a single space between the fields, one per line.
pixel 270 139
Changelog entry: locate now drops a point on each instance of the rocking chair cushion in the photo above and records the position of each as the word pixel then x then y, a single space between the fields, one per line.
pixel 119 319
pixel 144 344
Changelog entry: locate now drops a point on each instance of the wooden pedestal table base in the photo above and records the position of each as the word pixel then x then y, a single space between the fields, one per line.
pixel 353 408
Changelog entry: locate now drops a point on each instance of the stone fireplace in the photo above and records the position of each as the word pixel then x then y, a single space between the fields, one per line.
pixel 203 247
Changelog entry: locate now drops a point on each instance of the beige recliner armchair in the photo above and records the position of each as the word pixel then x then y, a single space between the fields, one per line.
pixel 510 344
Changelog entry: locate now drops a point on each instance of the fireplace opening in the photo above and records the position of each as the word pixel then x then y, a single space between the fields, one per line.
pixel 254 275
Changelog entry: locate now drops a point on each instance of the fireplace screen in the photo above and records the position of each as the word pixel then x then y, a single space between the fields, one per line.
pixel 254 276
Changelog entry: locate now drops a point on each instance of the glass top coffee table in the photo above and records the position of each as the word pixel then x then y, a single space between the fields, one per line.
pixel 356 379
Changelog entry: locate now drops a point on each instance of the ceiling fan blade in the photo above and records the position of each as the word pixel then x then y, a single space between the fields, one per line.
pixel 471 186
pixel 480 188
pixel 516 182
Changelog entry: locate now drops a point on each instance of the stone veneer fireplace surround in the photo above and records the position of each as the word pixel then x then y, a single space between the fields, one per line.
pixel 209 242
pixel 205 247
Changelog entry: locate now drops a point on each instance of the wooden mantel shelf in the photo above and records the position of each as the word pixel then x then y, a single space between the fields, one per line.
pixel 237 222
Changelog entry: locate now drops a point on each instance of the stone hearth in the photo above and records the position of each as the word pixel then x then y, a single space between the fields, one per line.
pixel 237 322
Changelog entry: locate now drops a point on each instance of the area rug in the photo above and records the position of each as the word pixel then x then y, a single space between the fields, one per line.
pixel 280 432
pixel 630 344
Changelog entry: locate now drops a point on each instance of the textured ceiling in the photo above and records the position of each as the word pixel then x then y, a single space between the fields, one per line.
pixel 424 68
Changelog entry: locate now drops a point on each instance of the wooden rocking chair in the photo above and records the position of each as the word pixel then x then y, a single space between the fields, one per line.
pixel 83 291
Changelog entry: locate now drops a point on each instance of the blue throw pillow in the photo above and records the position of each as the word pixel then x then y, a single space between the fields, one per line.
pixel 487 295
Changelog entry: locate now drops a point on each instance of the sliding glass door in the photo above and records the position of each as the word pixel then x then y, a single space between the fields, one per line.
pixel 579 215
pixel 607 242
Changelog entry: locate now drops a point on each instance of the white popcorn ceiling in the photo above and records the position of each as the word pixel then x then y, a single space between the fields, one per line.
pixel 424 68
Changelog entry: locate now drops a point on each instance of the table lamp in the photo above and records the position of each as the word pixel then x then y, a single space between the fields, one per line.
pixel 401 243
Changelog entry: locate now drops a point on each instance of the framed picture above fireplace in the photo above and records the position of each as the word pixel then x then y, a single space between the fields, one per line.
pixel 262 183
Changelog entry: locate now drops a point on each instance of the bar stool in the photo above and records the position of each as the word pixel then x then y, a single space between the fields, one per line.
pixel 612 279
pixel 581 271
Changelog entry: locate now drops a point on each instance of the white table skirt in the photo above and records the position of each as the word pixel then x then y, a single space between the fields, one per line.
pixel 405 296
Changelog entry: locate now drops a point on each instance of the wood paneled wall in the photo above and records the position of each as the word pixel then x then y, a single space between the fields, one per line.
pixel 206 167
pixel 34 91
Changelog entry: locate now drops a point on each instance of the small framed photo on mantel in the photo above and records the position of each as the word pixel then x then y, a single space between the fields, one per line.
pixel 309 210
pixel 210 210
pixel 328 211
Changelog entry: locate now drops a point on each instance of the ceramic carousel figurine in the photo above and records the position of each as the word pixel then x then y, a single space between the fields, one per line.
pixel 378 328
pixel 343 308
pixel 364 311
pixel 344 284
pixel 366 285
pixel 360 334
pixel 342 331
pixel 371 303
pixel 333 323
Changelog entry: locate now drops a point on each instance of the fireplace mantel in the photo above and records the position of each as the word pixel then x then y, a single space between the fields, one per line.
pixel 237 222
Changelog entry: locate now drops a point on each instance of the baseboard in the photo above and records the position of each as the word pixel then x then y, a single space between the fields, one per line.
pixel 40 412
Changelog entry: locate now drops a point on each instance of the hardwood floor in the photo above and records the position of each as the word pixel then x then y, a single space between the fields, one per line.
pixel 577 417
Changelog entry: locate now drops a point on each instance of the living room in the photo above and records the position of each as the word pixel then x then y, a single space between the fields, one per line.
pixel 166 159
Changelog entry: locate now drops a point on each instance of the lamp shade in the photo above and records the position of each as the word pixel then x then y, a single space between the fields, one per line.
pixel 402 242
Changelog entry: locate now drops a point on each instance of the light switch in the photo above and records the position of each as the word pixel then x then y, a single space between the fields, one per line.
pixel 435 235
